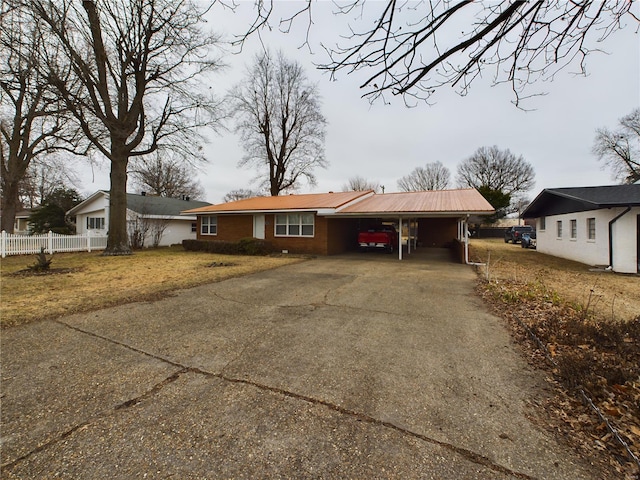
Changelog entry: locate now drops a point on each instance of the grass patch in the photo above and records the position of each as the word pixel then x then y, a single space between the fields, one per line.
pixel 79 282
pixel 605 295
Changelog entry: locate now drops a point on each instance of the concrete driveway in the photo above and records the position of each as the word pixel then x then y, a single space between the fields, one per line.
pixel 356 366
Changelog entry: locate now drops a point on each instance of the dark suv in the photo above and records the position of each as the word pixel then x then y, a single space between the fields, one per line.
pixel 514 234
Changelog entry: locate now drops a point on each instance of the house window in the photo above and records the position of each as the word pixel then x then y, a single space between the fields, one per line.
pixel 95 223
pixel 209 225
pixel 294 225
pixel 591 228
pixel 574 228
pixel 194 227
pixel 559 229
pixel 543 223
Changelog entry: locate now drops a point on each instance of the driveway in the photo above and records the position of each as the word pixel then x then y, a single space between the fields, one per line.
pixel 355 366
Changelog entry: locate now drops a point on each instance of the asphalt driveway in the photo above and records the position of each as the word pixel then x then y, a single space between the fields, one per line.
pixel 356 366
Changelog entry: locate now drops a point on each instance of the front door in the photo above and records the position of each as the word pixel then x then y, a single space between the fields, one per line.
pixel 258 226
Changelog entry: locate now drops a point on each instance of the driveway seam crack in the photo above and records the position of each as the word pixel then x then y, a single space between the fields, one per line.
pixel 122 344
pixel 465 453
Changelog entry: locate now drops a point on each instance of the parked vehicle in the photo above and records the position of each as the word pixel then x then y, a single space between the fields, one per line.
pixel 529 240
pixel 514 234
pixel 378 237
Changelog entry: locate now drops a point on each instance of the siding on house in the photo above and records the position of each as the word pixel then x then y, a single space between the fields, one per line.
pixel 96 207
pixel 596 251
pixel 155 212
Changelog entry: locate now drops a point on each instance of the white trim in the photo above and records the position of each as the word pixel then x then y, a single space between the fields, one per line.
pixel 209 234
pixel 287 225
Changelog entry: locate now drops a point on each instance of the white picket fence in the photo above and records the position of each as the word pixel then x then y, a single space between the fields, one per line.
pixel 11 244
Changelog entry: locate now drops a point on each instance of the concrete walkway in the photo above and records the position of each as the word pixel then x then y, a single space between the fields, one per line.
pixel 355 366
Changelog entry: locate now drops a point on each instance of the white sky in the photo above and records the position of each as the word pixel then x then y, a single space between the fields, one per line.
pixel 384 142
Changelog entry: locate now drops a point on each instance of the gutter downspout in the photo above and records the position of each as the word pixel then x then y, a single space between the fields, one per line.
pixel 611 222
pixel 400 238
pixel 465 234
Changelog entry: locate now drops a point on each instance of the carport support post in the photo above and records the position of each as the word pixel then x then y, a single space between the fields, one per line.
pixel 400 239
pixel 465 234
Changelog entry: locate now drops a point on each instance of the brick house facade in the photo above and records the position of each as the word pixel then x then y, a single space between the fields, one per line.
pixel 328 223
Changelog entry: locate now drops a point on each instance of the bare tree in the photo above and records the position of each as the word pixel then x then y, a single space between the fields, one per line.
pixel 137 70
pixel 413 48
pixel 620 149
pixel 280 122
pixel 166 174
pixel 361 184
pixel 45 175
pixel 240 194
pixel 33 120
pixel 499 175
pixel 497 169
pixel 158 226
pixel 434 176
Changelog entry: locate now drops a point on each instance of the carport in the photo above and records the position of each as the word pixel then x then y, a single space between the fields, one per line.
pixel 324 223
pixel 433 218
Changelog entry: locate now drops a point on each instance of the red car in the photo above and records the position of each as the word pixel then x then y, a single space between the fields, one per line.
pixel 378 237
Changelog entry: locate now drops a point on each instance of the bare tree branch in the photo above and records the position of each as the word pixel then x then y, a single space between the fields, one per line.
pixel 620 149
pixel 433 176
pixel 499 175
pixel 412 49
pixel 166 174
pixel 279 119
pixel 138 81
pixel 361 184
pixel 34 122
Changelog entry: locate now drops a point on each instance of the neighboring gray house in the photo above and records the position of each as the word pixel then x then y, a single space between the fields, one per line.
pixel 154 220
pixel 591 225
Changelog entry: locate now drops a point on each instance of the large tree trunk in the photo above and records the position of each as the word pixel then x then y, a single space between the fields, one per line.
pixel 118 239
pixel 10 204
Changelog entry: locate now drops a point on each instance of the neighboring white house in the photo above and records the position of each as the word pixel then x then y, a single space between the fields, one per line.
pixel 156 220
pixel 592 225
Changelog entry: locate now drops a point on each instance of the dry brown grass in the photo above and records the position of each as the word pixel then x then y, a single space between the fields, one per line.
pixel 605 295
pixel 588 323
pixel 88 281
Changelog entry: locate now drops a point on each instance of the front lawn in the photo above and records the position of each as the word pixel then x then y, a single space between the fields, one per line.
pixel 607 295
pixel 80 282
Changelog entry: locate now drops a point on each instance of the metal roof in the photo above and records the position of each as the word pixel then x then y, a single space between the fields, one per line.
pixel 311 201
pixel 463 201
pixel 367 203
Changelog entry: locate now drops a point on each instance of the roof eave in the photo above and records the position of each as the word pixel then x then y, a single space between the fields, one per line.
pixel 319 211
pixel 423 214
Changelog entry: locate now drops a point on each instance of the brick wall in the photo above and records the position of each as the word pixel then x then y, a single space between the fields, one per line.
pixel 230 228
pixel 437 232
pixel 316 245
pixel 343 235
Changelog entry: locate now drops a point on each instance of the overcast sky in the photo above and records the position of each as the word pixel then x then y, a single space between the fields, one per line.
pixel 384 142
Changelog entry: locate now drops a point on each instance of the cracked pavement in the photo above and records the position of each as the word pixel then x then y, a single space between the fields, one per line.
pixel 354 366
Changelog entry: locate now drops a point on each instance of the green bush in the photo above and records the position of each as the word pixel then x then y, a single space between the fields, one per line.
pixel 245 246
